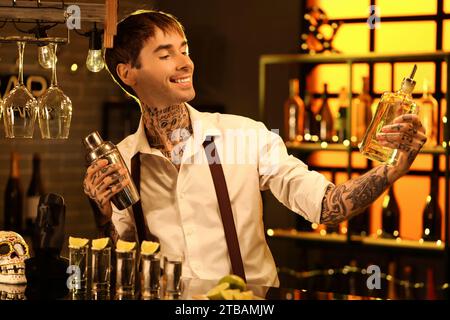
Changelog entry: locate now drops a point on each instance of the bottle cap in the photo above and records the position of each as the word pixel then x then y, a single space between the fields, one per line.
pixel 93 140
pixel 409 83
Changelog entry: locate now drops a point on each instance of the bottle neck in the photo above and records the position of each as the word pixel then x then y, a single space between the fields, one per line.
pixel 294 88
pixel 366 85
pixel 36 169
pixel 15 169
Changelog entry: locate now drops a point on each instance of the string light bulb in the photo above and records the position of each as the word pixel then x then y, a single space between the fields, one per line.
pixel 94 60
pixel 45 50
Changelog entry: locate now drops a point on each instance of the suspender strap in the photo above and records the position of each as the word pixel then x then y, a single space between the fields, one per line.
pixel 226 213
pixel 137 207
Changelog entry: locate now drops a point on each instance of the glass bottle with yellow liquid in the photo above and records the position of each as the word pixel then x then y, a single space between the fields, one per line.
pixel 428 115
pixel 391 105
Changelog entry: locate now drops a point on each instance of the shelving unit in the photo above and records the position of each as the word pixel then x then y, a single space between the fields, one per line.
pixel 442 248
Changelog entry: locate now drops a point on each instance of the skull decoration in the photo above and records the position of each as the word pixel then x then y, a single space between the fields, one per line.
pixel 12 291
pixel 13 253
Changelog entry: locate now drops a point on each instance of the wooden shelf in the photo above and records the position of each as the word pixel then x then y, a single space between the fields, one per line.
pixel 321 146
pixel 371 241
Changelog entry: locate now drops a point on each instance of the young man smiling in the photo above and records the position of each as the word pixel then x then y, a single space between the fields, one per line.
pixel 150 60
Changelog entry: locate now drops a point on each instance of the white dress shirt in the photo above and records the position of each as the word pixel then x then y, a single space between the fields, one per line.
pixel 181 208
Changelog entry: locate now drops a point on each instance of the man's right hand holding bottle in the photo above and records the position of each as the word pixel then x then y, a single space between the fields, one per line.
pixel 101 182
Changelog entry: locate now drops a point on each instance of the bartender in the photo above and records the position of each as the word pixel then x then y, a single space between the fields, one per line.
pixel 179 189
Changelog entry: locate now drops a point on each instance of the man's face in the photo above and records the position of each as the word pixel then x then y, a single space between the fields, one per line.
pixel 165 76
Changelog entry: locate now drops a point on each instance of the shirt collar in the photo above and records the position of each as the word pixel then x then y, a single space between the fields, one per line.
pixel 203 125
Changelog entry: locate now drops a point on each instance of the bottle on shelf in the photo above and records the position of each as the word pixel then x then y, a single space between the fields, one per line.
pixel 408 283
pixel 432 215
pixel 324 118
pixel 341 121
pixel 361 112
pixel 391 276
pixel 294 109
pixel 428 107
pixel 309 123
pixel 360 224
pixel 13 197
pixel 431 290
pixel 34 192
pixel 390 215
pixel 392 105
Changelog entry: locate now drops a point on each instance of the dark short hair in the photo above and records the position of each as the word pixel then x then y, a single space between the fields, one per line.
pixel 132 33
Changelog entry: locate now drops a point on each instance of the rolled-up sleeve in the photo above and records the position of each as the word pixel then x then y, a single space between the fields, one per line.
pixel 288 178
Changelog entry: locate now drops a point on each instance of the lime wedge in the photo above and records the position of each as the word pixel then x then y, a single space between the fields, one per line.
pixel 216 292
pixel 125 246
pixel 245 295
pixel 234 281
pixel 229 294
pixel 77 243
pixel 100 244
pixel 149 247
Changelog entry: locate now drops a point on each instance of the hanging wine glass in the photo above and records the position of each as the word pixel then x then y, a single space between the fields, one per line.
pixel 19 106
pixel 55 108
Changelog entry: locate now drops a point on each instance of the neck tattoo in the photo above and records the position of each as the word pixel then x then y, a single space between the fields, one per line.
pixel 166 128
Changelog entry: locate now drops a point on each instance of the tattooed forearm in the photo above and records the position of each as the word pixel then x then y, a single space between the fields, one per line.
pixel 352 197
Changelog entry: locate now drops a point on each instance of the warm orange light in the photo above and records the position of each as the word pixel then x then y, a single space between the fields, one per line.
pixel 446 6
pixel 406 7
pixel 352 38
pixel 405 37
pixel 336 75
pixel 382 77
pixel 425 70
pixel 446 34
pixel 337 10
pixel 444 76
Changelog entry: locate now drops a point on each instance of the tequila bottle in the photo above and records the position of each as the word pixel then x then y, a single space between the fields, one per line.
pixel 325 118
pixel 428 106
pixel 391 105
pixel 294 109
pixel 361 112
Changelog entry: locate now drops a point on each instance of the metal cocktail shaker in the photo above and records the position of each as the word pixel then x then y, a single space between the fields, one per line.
pixel 99 149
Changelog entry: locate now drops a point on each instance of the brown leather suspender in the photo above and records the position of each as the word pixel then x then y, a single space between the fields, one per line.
pixel 226 212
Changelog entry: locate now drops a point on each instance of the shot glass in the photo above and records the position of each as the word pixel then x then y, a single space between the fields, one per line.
pixel 125 272
pixel 150 275
pixel 101 269
pixel 173 267
pixel 78 263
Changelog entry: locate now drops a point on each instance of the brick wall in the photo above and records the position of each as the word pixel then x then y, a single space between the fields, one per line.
pixel 63 165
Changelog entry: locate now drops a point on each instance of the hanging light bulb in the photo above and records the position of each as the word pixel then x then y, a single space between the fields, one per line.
pixel 45 52
pixel 94 61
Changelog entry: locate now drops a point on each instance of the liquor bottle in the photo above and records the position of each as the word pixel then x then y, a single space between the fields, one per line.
pixel 390 215
pixel 408 285
pixel 324 118
pixel 13 197
pixel 392 105
pixel 360 224
pixel 391 290
pixel 34 192
pixel 431 291
pixel 294 110
pixel 432 215
pixel 428 107
pixel 341 121
pixel 309 124
pixel 361 112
